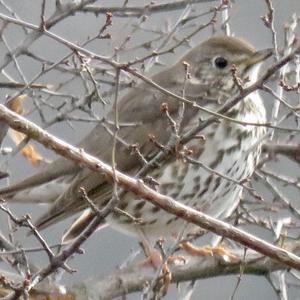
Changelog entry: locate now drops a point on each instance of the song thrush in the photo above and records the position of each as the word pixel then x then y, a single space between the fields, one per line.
pixel 225 147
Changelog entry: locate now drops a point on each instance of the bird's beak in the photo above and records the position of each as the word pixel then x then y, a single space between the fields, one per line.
pixel 259 56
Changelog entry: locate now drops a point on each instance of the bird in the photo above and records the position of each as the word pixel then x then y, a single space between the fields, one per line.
pixel 203 173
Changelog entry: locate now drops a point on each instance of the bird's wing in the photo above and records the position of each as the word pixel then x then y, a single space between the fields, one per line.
pixel 46 185
pixel 140 115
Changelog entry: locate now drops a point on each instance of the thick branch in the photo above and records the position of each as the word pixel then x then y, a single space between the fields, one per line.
pixel 289 150
pixel 131 280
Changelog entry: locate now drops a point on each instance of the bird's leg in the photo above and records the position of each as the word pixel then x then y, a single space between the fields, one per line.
pixel 153 257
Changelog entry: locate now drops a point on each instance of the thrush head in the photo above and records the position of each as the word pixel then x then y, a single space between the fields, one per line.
pixel 211 64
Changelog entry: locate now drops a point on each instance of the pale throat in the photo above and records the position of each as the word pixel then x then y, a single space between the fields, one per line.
pixel 253 102
pixel 253 75
pixel 252 107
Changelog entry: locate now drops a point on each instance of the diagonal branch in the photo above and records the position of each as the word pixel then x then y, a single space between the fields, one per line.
pixel 138 187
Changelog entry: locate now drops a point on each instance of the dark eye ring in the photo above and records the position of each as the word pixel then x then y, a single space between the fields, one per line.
pixel 221 62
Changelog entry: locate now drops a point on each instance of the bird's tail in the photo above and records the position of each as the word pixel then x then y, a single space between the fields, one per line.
pixel 34 190
pixel 80 225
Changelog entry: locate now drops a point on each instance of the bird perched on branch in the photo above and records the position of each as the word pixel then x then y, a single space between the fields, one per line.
pixel 204 173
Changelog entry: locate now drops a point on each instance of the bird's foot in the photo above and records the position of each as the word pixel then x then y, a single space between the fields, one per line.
pixel 220 251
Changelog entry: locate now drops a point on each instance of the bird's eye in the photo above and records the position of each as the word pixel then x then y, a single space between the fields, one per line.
pixel 221 62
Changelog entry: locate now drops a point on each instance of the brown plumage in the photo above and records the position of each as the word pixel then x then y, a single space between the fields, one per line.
pixel 229 148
